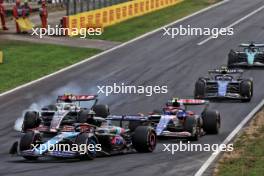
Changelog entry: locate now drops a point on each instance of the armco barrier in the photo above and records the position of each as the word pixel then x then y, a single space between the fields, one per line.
pixel 117 13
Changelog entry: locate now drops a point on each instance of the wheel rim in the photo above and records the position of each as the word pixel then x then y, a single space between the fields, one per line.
pixel 152 141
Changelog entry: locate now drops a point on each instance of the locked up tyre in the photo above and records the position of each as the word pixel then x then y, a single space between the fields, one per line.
pixel 211 121
pixel 31 120
pixel 144 139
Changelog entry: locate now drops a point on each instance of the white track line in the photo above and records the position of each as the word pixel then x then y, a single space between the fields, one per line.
pixel 234 24
pixel 112 49
pixel 211 159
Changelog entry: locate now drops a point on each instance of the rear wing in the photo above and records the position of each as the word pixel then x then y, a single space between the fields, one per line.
pixel 77 97
pixel 127 118
pixel 193 102
pixel 252 45
pixel 229 71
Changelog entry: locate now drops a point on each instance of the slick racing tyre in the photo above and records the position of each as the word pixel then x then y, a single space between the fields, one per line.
pixel 200 87
pixel 84 116
pixel 31 120
pixel 211 121
pixel 232 59
pixel 101 110
pixel 246 90
pixel 192 127
pixel 83 140
pixel 144 139
pixel 26 142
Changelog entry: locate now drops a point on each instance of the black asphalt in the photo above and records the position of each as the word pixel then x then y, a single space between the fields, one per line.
pixel 153 60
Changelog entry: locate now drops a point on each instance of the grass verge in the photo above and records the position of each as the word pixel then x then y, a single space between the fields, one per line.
pixel 137 26
pixel 24 62
pixel 247 159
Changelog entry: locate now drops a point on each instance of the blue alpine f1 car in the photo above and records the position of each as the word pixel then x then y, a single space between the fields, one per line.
pixel 224 83
pixel 69 130
pixel 252 55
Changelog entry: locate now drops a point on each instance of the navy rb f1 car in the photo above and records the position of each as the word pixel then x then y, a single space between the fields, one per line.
pixel 252 55
pixel 175 120
pixel 224 83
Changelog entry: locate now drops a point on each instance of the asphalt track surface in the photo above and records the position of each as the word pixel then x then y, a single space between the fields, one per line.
pixel 153 60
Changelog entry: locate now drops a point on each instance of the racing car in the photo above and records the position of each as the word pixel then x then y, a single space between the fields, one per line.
pixel 224 83
pixel 87 141
pixel 67 110
pixel 252 55
pixel 84 136
pixel 175 120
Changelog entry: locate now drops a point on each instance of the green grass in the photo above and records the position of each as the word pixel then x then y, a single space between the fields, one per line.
pixel 137 26
pixel 24 62
pixel 249 161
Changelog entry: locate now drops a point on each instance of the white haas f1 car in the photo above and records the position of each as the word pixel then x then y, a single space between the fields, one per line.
pixel 176 121
pixel 252 55
pixel 224 83
pixel 69 109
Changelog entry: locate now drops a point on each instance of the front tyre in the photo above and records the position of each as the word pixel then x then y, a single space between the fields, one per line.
pixel 200 89
pixel 86 146
pixel 211 121
pixel 192 127
pixel 27 141
pixel 232 59
pixel 246 90
pixel 31 120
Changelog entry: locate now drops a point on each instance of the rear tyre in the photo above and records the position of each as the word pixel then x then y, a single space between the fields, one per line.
pixel 26 142
pixel 192 127
pixel 31 120
pixel 101 110
pixel 211 122
pixel 246 89
pixel 83 116
pixel 144 139
pixel 199 91
pixel 83 140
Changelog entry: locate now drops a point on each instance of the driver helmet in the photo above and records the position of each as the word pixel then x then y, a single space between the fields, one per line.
pixel 224 69
pixel 251 47
pixel 181 115
pixel 173 102
pixel 90 119
pixel 69 107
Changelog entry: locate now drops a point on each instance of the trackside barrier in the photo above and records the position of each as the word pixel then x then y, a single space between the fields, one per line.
pixel 115 14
